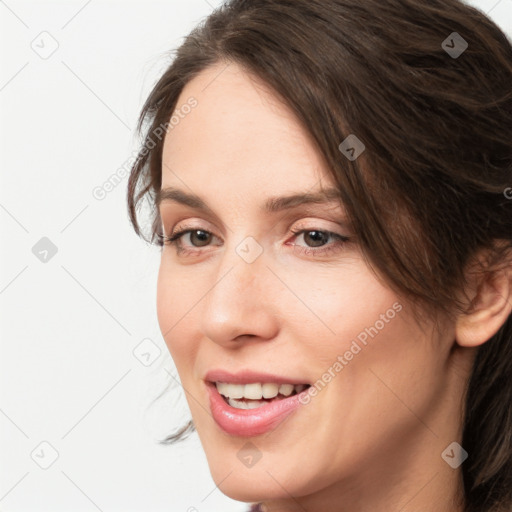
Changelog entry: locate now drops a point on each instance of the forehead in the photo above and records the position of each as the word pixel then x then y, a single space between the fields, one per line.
pixel 239 133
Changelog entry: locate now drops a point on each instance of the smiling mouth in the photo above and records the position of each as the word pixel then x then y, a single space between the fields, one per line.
pixel 249 409
pixel 256 394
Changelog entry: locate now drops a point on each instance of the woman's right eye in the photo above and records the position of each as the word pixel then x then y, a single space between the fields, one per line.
pixel 201 236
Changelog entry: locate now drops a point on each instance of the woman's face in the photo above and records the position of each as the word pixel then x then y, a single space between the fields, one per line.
pixel 245 295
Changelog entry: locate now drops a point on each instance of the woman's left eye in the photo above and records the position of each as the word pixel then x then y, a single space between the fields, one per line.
pixel 318 239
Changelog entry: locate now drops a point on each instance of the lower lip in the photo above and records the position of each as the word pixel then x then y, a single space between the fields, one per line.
pixel 250 422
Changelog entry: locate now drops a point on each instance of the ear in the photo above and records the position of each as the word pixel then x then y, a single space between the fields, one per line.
pixel 491 305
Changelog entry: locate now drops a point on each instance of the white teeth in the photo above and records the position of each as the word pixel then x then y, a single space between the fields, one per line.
pixel 270 390
pixel 222 388
pixel 286 389
pixel 253 391
pixel 256 390
pixel 239 404
pixel 230 390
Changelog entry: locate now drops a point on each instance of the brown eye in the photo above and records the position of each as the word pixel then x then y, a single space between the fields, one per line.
pixel 318 239
pixel 197 238
pixel 202 237
pixel 317 242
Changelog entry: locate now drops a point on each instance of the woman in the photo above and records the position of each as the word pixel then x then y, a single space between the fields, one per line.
pixel 331 190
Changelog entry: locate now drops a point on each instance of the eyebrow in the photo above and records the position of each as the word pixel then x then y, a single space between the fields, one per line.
pixel 271 205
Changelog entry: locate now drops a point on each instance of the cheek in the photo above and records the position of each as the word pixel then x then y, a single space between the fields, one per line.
pixel 368 354
pixel 343 306
pixel 175 313
pixel 381 381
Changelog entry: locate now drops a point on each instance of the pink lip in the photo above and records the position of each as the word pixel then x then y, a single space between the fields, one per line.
pixel 250 422
pixel 248 377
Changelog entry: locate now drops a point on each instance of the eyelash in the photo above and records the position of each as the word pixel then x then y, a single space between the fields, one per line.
pixel 174 239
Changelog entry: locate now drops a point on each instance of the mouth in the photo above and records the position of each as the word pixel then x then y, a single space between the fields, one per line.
pixel 252 408
pixel 256 394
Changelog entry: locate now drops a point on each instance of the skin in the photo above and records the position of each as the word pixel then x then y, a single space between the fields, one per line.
pixel 372 438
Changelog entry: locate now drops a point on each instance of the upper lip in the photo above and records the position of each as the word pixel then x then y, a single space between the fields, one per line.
pixel 249 376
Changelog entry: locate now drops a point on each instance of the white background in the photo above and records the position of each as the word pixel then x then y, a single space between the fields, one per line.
pixel 69 326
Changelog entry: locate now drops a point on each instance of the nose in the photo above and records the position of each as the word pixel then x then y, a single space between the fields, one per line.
pixel 241 301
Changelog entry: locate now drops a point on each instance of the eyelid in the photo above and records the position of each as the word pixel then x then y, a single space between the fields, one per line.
pixel 312 224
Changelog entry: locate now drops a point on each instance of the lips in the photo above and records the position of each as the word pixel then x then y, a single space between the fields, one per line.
pixel 251 417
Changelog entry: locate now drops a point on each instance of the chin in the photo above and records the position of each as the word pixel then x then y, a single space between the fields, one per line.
pixel 251 490
pixel 260 482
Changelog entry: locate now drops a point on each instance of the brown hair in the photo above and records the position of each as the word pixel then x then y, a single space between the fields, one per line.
pixel 437 130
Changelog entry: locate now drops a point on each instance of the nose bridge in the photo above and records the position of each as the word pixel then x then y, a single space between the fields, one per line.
pixel 237 302
pixel 243 266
